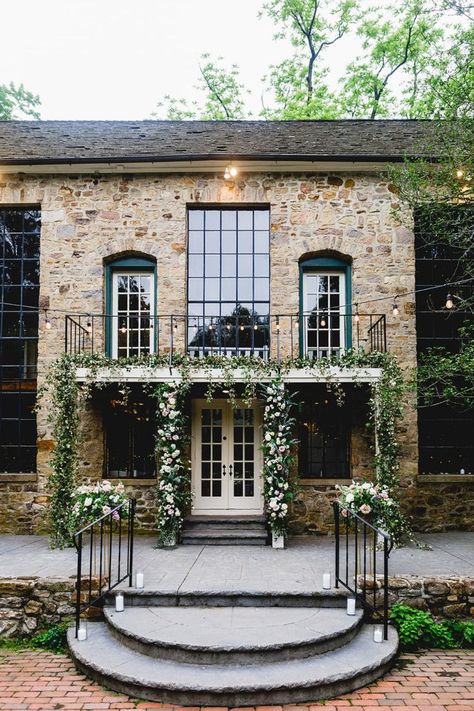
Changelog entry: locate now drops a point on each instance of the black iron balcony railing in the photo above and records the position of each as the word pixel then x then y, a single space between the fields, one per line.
pixel 316 335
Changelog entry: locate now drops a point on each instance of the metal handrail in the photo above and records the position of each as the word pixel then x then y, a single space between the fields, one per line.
pixel 105 556
pixel 364 533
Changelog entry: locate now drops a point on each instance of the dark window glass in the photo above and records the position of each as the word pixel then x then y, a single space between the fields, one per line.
pixel 324 435
pixel 19 288
pixel 228 281
pixel 445 437
pixel 129 439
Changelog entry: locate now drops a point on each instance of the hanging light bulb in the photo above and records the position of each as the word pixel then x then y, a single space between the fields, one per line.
pixel 89 326
pixel 195 328
pixel 278 324
pixel 255 327
pixel 123 328
pixel 233 171
pixel 175 325
pixel 47 321
pixel 211 326
pixel 356 314
pixel 459 173
pixel 227 174
pixel 395 309
pixel 449 302
pixel 228 326
pixel 323 321
pixel 241 328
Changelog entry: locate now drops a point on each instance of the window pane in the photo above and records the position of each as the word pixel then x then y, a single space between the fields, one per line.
pixel 245 265
pixel 245 219
pixel 196 219
pixel 196 265
pixel 229 219
pixel 229 266
pixel 245 242
pixel 213 242
pixel 196 242
pixel 229 242
pixel 212 220
pixel 261 219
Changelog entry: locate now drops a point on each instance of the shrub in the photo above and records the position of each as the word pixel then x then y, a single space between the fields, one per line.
pixel 52 639
pixel 418 629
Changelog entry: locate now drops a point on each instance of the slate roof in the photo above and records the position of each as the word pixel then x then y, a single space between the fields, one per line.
pixel 140 141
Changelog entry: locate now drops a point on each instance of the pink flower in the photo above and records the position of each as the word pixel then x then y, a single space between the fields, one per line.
pixel 365 509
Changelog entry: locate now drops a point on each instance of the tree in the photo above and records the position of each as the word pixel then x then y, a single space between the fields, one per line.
pixel 401 46
pixel 16 102
pixel 222 95
pixel 299 84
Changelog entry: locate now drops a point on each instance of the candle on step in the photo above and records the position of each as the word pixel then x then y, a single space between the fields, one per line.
pixel 378 634
pixel 82 633
pixel 351 606
pixel 326 581
pixel 119 602
pixel 140 580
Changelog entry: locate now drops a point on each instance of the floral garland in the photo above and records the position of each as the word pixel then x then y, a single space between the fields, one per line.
pixel 173 490
pixel 279 490
pixel 91 501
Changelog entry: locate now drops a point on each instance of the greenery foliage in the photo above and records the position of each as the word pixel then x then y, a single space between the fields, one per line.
pixel 278 459
pixel 418 629
pixel 91 501
pixel 54 639
pixel 385 413
pixel 173 490
pixel 17 102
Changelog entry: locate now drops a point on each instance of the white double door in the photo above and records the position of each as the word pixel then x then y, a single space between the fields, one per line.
pixel 226 458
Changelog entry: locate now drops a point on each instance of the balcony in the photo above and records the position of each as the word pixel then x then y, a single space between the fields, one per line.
pixel 275 337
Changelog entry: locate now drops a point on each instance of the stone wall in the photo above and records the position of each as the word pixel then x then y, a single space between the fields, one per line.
pixel 87 219
pixel 443 596
pixel 31 604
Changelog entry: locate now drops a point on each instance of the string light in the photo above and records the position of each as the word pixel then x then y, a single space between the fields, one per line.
pixel 241 328
pixel 233 171
pixel 449 302
pixel 255 327
pixel 123 329
pixel 395 309
pixel 88 326
pixel 356 315
pixel 323 321
pixel 47 321
pixel 227 174
pixel 228 326
pixel 459 173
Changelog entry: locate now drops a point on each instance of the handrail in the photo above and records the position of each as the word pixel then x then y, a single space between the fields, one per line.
pixel 320 333
pixel 101 556
pixel 363 562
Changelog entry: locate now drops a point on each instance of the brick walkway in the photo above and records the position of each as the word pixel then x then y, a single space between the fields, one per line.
pixel 432 681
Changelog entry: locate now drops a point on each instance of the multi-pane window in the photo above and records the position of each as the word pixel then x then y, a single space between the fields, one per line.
pixel 19 288
pixel 133 312
pixel 443 248
pixel 323 313
pixel 324 436
pixel 129 438
pixel 228 281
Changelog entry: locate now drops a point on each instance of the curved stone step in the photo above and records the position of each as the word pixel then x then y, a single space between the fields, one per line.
pixel 319 677
pixel 226 635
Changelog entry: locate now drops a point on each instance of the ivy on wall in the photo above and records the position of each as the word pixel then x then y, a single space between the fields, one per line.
pixel 385 412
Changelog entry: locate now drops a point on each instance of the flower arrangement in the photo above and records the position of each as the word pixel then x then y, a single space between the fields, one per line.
pixel 91 501
pixel 279 491
pixel 367 499
pixel 173 491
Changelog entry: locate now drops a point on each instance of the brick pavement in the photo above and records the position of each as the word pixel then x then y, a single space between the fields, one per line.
pixel 429 681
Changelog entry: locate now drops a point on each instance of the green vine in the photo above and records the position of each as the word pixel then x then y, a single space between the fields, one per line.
pixel 385 412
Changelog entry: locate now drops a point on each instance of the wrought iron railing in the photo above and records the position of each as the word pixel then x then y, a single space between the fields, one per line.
pixel 361 550
pixel 319 334
pixel 104 556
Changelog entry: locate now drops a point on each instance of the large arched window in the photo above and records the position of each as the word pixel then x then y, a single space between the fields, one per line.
pixel 130 306
pixel 325 306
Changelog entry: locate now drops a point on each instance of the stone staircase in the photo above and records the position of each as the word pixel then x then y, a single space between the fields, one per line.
pixel 225 531
pixel 232 649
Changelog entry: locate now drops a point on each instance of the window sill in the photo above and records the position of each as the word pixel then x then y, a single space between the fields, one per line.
pixel 323 482
pixel 445 478
pixel 17 478
pixel 132 481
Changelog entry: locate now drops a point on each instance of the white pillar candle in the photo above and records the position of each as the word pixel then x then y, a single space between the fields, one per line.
pixel 82 633
pixel 119 603
pixel 378 634
pixel 326 581
pixel 351 606
pixel 140 580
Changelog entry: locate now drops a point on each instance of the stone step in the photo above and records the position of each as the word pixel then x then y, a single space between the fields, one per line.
pixel 224 536
pixel 356 664
pixel 227 521
pixel 230 598
pixel 227 635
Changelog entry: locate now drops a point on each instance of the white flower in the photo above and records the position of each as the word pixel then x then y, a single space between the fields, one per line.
pixel 366 485
pixel 349 498
pixel 88 501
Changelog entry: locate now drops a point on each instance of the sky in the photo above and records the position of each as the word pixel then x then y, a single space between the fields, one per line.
pixel 115 59
pixel 99 59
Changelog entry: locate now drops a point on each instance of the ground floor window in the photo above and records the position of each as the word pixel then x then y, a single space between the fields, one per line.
pixel 129 439
pixel 324 436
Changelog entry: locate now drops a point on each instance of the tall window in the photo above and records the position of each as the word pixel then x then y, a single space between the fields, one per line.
pixel 325 291
pixel 131 307
pixel 324 436
pixel 228 280
pixel 19 288
pixel 444 432
pixel 129 437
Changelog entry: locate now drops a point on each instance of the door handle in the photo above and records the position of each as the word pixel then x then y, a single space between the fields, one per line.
pixel 230 469
pixel 223 470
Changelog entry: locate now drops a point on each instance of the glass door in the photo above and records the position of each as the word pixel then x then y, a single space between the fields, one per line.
pixel 226 458
pixel 324 314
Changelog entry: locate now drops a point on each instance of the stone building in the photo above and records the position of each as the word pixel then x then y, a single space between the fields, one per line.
pixel 258 239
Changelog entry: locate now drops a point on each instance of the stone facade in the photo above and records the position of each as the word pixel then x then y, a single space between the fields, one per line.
pixel 88 219
pixel 31 604
pixel 443 596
